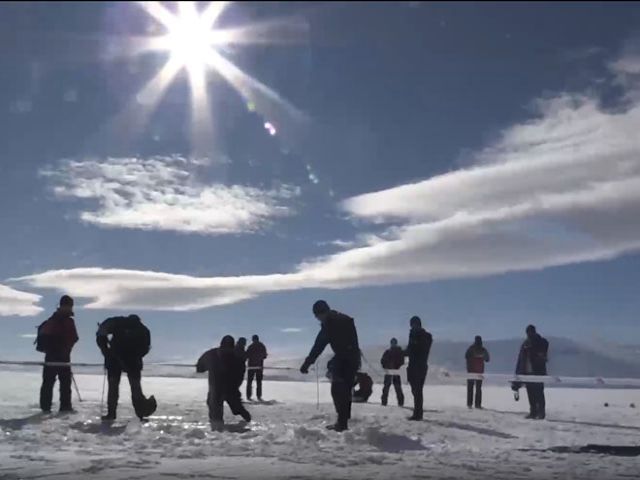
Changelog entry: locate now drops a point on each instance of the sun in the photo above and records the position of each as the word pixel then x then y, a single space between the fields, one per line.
pixel 190 40
pixel 190 35
pixel 193 43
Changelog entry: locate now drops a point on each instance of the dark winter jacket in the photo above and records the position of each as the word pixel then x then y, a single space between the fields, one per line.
pixel 476 357
pixel 532 359
pixel 256 353
pixel 61 329
pixel 392 358
pixel 339 331
pixel 225 369
pixel 419 347
pixel 241 355
pixel 130 342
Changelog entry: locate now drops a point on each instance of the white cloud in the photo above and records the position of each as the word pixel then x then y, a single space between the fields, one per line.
pixel 28 335
pixel 15 302
pixel 163 193
pixel 561 188
pixel 128 289
pixel 291 330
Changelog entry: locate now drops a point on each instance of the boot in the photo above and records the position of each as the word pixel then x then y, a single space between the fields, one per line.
pixel 338 427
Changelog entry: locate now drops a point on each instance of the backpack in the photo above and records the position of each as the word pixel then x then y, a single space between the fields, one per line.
pixel 44 341
pixel 132 339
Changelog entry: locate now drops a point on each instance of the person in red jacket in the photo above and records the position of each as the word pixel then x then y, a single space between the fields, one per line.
pixel 392 359
pixel 61 335
pixel 476 357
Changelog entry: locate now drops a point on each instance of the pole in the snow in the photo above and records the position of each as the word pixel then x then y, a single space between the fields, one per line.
pixel 73 379
pixel 317 388
pixel 104 380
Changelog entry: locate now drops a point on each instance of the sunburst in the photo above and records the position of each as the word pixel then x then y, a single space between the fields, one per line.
pixel 193 42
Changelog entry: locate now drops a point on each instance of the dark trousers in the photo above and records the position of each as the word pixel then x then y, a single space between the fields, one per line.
pixel 341 395
pixel 49 375
pixel 416 377
pixel 478 385
pixel 537 403
pixel 216 399
pixel 397 385
pixel 258 375
pixel 114 375
pixel 343 373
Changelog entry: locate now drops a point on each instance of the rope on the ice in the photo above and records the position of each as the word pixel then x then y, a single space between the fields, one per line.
pixel 373 369
pixel 443 373
pixel 547 379
pixel 78 364
pixel 317 388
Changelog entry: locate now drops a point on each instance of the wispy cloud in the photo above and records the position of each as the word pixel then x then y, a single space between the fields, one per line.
pixel 124 289
pixel 28 335
pixel 15 302
pixel 291 330
pixel 562 187
pixel 164 193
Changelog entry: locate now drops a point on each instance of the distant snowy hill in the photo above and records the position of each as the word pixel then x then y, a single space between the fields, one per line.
pixel 566 358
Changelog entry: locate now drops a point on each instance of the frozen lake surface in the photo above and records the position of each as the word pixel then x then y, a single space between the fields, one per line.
pixel 288 438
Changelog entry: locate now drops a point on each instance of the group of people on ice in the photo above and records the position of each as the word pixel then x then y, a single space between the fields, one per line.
pixel 124 341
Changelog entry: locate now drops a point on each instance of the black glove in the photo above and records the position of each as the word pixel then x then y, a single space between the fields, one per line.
pixel 305 368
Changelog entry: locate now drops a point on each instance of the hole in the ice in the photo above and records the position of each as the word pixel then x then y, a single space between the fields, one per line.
pixel 472 428
pixel 20 423
pixel 99 428
pixel 391 442
pixel 613 450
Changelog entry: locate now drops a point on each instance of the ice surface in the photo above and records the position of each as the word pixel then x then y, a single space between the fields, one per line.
pixel 288 438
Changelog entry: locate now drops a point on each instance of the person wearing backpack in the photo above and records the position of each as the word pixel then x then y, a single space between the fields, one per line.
pixel 130 341
pixel 56 338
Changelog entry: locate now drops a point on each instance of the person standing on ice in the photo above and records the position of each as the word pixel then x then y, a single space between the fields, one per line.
pixel 392 359
pixel 256 354
pixel 241 353
pixel 56 338
pixel 225 376
pixel 339 331
pixel 124 341
pixel 532 360
pixel 476 357
pixel 418 352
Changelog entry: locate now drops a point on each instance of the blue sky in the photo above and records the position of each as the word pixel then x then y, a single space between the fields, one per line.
pixel 475 164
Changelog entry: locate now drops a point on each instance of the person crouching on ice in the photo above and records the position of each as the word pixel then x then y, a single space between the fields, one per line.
pixel 364 384
pixel 226 370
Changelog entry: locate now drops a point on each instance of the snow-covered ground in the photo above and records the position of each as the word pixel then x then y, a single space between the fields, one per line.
pixel 288 438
